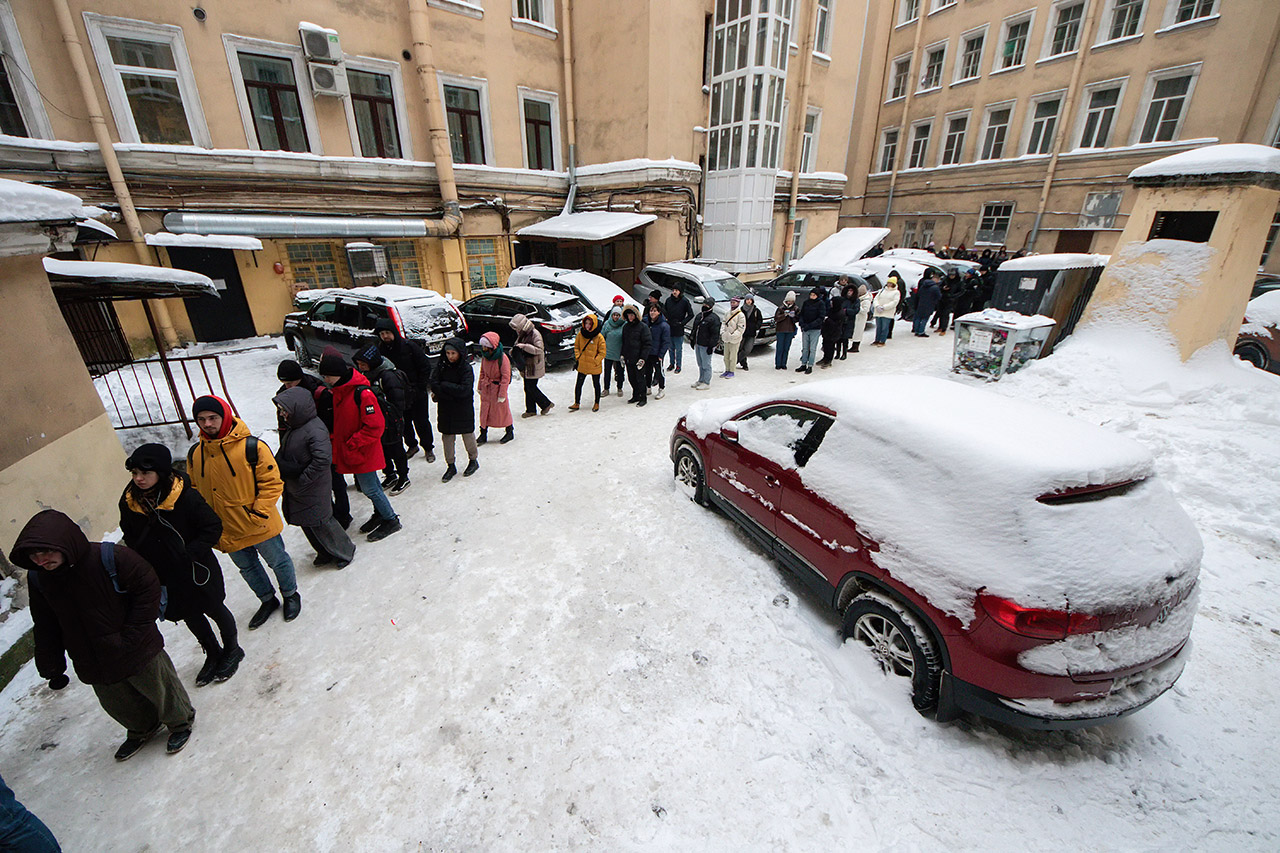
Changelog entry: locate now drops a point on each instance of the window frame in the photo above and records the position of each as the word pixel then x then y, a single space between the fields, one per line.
pixel 481 85
pixel 370 65
pixel 881 149
pixel 980 154
pixel 822 35
pixel 947 135
pixel 1082 113
pixel 1171 21
pixel 809 141
pixel 534 25
pixel 30 104
pixel 965 39
pixel 1269 247
pixel 1272 137
pixel 903 5
pixel 923 163
pixel 1191 70
pixel 936 6
pixel 894 76
pixel 927 55
pixel 100 28
pixel 1055 13
pixel 1059 95
pixel 234 45
pixel 798 237
pixel 982 215
pixel 1104 36
pixel 470 8
pixel 551 99
pixel 1029 18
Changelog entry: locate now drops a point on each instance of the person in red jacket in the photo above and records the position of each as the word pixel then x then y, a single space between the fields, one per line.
pixel 357 439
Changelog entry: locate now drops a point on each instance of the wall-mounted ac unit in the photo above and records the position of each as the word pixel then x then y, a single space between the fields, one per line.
pixel 327 79
pixel 320 44
pixel 368 263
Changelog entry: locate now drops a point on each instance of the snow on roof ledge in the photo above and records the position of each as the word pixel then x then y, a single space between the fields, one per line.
pixel 214 241
pixel 21 202
pixel 107 271
pixel 1055 261
pixel 1214 164
pixel 591 225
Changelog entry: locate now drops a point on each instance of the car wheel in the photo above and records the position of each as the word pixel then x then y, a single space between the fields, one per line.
pixel 689 475
pixel 300 352
pixel 898 642
pixel 1253 354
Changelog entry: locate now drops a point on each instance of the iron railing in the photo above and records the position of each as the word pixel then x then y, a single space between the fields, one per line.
pixel 159 392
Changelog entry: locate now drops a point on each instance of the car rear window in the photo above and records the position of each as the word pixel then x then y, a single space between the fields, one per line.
pixel 726 288
pixel 567 310
pixel 426 319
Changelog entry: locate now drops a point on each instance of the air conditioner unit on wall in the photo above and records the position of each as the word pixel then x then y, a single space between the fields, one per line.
pixel 320 44
pixel 367 263
pixel 327 79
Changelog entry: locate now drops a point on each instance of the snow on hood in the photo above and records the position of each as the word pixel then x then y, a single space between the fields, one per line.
pixel 945 477
pixel 841 248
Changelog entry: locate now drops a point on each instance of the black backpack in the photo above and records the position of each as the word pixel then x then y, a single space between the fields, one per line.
pixel 392 416
pixel 250 456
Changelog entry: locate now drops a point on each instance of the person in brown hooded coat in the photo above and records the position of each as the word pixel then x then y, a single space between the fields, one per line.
pixel 98 602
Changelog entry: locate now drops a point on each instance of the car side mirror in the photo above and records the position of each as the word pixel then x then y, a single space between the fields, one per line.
pixel 729 432
pixel 698 300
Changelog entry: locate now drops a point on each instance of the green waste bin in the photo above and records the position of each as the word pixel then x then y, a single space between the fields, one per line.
pixel 992 343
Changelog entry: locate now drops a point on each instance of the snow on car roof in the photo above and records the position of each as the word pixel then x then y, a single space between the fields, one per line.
pixel 1231 159
pixel 841 248
pixel 599 290
pixel 541 295
pixel 698 272
pixel 1056 261
pixel 389 292
pixel 1264 310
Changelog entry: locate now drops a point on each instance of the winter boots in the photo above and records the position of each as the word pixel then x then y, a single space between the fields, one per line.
pixel 483 437
pixel 264 612
pixel 449 473
pixel 511 433
pixel 227 665
pixel 472 467
pixel 211 659
pixel 292 606
pixel 383 530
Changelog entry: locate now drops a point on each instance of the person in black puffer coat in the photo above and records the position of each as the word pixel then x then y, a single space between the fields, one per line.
pixel 832 328
pixel 451 388
pixel 383 375
pixel 171 526
pixel 291 375
pixel 678 312
pixel 755 319
pixel 811 316
pixel 637 342
pixel 416 364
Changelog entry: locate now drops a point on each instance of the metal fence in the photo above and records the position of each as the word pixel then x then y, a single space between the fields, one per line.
pixel 159 391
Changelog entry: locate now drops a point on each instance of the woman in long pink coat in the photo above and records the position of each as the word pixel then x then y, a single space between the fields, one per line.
pixel 495 378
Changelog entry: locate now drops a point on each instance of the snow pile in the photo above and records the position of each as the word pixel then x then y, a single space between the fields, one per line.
pixel 21 202
pixel 1155 274
pixel 1232 159
pixel 1007 319
pixel 1262 315
pixel 841 248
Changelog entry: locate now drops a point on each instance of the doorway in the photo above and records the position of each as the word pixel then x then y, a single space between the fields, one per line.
pixel 212 318
pixel 1074 240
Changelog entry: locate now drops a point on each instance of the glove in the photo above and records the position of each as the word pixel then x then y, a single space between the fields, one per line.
pixel 59 681
pixel 502 399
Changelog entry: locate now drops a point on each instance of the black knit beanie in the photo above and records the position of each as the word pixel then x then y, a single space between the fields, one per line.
pixel 151 457
pixel 332 363
pixel 289 371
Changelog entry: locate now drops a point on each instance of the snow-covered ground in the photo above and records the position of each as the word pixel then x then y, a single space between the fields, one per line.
pixel 562 652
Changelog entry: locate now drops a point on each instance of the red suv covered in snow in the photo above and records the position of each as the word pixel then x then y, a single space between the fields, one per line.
pixel 1012 562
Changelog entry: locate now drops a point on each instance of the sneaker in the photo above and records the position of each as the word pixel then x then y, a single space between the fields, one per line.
pixel 535 414
pixel 205 675
pixel 619 392
pixel 472 467
pixel 411 452
pixel 824 365
pixel 387 528
pixel 374 521
pixel 400 485
pixel 662 392
pixel 509 436
pixel 809 369
pixel 177 740
pixel 264 612
pixel 572 408
pixel 228 665
pixel 701 386
pixel 431 456
pixel 548 407
pixel 675 370
pixel 132 744
pixel 594 408
pixel 449 473
pixel 388 481
pixel 744 366
pixel 292 606
pixel 728 374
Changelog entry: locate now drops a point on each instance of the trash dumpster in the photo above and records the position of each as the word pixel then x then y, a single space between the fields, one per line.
pixel 992 343
pixel 1057 286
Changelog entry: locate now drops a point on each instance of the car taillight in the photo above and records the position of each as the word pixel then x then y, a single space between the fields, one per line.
pixel 556 327
pixel 462 318
pixel 395 318
pixel 1036 621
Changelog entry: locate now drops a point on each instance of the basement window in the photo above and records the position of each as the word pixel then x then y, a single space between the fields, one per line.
pixel 1193 226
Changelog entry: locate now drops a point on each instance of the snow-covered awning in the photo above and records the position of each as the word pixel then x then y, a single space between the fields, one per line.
pixel 1055 261
pixel 595 225
pixel 208 241
pixel 104 281
pixel 1235 163
pixel 93 231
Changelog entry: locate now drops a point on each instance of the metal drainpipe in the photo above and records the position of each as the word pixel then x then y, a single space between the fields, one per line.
pixel 118 186
pixel 571 116
pixel 424 61
pixel 903 142
pixel 1068 104
pixel 802 98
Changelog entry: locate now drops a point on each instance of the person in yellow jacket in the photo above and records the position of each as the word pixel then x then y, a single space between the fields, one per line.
pixel 588 355
pixel 244 496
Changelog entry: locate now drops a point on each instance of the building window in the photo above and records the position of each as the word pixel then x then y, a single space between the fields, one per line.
pixel 993 228
pixel 1271 240
pixel 1193 10
pixel 316 265
pixel 997 130
pixel 797 239
pixel 272 91
pixel 919 144
pixel 23 112
pixel 1066 30
pixel 822 38
pixel 466 124
pixel 1166 109
pixel 901 74
pixel 11 121
pixel 809 141
pixel 482 262
pixel 537 134
pixel 1099 116
pixel 888 150
pixel 1099 209
pixel 953 147
pixel 971 56
pixel 908 11
pixel 939 5
pixel 374 106
pixel 1126 16
pixel 537 11
pixel 933 60
pixel 1013 47
pixel 926 232
pixel 1044 124
pixel 402 258
pixel 148 80
pixel 909 234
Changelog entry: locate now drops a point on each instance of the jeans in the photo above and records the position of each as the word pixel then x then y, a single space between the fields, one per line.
pixel 782 348
pixel 703 355
pixel 809 346
pixel 920 323
pixel 676 357
pixel 20 830
pixel 272 550
pixel 372 489
pixel 883 325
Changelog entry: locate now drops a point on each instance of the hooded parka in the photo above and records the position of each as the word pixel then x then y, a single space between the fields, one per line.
pixel 357 426
pixel 305 456
pixel 451 385
pixel 243 497
pixel 589 347
pixel 529 340
pixel 495 380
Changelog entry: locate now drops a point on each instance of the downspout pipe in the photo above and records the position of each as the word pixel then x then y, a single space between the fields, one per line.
pixel 75 53
pixel 904 144
pixel 570 113
pixel 441 154
pixel 797 138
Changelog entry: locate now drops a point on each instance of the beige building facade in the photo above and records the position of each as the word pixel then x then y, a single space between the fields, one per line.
pixel 1015 122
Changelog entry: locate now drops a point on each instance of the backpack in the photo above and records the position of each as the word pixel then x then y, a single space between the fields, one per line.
pixel 107 553
pixel 390 414
pixel 250 456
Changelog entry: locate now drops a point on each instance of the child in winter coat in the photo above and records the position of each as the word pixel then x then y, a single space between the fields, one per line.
pixel 495 379
pixel 588 354
pixel 455 406
pixel 612 331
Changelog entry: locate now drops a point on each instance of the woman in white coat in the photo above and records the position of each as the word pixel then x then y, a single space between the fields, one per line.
pixel 735 326
pixel 884 308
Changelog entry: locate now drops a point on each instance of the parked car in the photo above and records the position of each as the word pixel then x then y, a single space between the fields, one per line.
pixel 1042 589
pixel 698 281
pixel 924 256
pixel 1259 340
pixel 596 292
pixel 1263 283
pixel 557 315
pixel 344 319
pixel 802 281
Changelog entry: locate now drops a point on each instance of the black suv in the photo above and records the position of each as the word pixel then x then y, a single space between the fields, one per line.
pixel 557 316
pixel 344 319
